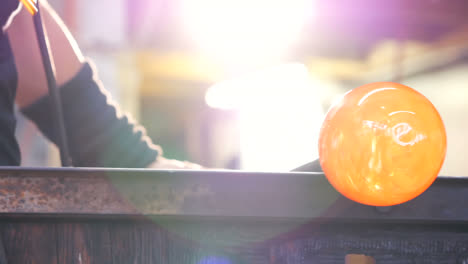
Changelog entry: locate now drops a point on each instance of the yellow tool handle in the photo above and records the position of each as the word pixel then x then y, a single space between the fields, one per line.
pixel 31 6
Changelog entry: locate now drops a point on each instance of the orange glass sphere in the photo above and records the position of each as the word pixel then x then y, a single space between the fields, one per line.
pixel 382 144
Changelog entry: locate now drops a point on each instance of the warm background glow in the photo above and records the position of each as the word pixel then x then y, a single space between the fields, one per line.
pixel 245 32
pixel 244 84
pixel 279 116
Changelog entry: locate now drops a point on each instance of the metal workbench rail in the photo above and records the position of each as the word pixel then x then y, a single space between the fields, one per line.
pixel 185 193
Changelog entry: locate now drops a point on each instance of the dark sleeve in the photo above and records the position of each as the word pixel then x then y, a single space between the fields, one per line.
pixel 9 150
pixel 99 135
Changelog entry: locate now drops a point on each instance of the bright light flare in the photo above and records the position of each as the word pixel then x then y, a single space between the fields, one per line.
pixel 245 31
pixel 279 113
pixel 270 87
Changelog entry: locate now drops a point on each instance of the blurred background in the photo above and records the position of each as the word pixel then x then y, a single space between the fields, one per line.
pixel 245 84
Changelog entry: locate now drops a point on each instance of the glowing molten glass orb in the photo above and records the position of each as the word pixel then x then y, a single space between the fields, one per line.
pixel 382 144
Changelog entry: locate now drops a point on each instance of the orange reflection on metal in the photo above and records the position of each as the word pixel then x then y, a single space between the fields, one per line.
pixel 382 144
pixel 30 5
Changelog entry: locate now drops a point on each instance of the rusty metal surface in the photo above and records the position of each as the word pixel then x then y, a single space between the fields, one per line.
pixel 36 192
pixel 88 191
pixel 162 192
pixel 209 193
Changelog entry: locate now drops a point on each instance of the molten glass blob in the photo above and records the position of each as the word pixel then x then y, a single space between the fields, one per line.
pixel 382 144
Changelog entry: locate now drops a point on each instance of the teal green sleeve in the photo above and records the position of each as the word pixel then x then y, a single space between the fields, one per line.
pixel 99 134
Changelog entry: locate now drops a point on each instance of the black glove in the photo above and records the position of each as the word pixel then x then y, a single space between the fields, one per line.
pixel 9 150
